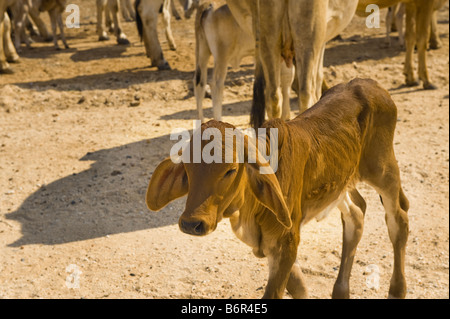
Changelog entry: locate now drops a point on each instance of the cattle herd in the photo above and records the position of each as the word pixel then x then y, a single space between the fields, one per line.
pixel 344 134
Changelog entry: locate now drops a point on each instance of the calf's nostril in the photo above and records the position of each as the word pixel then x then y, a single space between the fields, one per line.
pixel 193 228
pixel 199 228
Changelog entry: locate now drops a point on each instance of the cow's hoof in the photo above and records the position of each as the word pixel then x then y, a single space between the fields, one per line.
pixel 430 86
pixel 434 45
pixel 103 38
pixel 164 67
pixel 412 83
pixel 13 59
pixel 123 41
pixel 7 71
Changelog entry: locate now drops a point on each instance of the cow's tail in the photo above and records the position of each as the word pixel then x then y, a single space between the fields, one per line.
pixel 258 111
pixel 202 11
pixel 200 36
pixel 139 24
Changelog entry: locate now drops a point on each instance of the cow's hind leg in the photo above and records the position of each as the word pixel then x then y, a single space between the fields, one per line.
pixel 287 77
pixel 203 54
pixel 53 20
pixel 61 28
pixel 217 85
pixel 352 210
pixel 167 26
pixel 102 34
pixel 114 9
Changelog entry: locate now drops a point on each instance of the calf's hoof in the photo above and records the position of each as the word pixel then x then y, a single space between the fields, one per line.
pixel 103 38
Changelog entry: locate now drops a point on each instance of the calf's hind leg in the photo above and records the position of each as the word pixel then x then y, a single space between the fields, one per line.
pixel 396 205
pixel 352 210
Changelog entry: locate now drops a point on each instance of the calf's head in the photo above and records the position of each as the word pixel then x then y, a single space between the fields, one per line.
pixel 214 190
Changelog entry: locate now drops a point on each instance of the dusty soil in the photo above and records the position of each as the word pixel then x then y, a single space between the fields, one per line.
pixel 76 158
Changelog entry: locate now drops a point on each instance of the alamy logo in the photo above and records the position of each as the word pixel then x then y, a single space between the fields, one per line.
pixel 237 146
pixel 73 19
pixel 373 20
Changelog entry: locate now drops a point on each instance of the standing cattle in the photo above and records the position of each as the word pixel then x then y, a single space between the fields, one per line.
pixel 419 17
pixel 288 29
pixel 147 12
pixel 55 9
pixel 7 51
pixel 397 12
pixel 322 154
pixel 107 8
pixel 218 33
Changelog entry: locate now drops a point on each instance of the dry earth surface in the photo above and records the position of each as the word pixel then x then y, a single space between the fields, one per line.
pixel 81 131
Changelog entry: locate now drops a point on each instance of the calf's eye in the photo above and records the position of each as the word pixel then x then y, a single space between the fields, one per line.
pixel 230 172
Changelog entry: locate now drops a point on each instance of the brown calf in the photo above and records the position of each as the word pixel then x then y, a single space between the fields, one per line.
pixel 345 138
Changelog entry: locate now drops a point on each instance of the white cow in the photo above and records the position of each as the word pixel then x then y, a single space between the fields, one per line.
pixel 218 33
pixel 299 28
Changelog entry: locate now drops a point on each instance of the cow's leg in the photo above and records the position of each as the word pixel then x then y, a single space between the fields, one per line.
pixel 423 25
pixel 203 54
pixel 271 13
pixel 20 14
pixel 352 210
pixel 410 42
pixel 58 15
pixel 287 77
pixel 114 8
pixel 167 27
pixel 319 77
pixel 399 25
pixel 435 41
pixel 218 83
pixel 127 10
pixel 35 16
pixel 281 262
pixel 311 16
pixel 9 50
pixel 4 66
pixel 389 18
pixel 173 9
pixel 296 283
pixel 53 21
pixel 102 34
pixel 149 16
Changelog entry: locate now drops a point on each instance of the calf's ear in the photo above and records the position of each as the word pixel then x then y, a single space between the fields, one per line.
pixel 169 182
pixel 268 191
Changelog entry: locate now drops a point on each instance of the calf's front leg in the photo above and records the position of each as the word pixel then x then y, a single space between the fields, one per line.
pixel 281 261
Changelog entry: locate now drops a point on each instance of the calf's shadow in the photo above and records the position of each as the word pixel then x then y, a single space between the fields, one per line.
pixel 108 198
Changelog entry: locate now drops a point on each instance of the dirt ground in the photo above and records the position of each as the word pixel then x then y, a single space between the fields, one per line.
pixel 82 129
